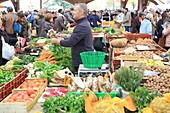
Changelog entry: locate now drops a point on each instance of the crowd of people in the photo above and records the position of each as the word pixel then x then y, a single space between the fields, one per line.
pixel 153 22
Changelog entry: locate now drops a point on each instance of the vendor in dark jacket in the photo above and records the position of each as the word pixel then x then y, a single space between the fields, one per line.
pixel 7 40
pixel 94 19
pixel 81 38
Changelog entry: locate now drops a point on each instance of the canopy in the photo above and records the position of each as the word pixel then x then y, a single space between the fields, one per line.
pixel 79 1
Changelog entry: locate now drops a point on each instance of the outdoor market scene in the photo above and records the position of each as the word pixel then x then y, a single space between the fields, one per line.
pixel 85 56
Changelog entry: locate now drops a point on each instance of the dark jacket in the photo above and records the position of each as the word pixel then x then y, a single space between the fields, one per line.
pixel 59 24
pixel 159 28
pixel 136 25
pixel 7 40
pixel 80 40
pixel 44 27
pixel 37 22
pixel 93 20
pixel 106 16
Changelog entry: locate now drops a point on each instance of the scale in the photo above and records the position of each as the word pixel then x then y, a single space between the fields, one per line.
pixel 105 68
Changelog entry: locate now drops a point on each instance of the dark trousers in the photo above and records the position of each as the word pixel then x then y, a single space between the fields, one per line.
pixel 13 39
pixel 127 28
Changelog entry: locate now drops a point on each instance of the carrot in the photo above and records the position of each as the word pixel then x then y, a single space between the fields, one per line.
pixel 51 59
pixel 53 62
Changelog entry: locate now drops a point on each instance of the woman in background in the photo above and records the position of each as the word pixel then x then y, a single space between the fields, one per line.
pixel 45 25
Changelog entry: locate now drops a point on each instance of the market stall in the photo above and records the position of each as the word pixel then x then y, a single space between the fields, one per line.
pixel 135 79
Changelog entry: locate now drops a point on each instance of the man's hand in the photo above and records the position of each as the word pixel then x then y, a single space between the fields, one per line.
pixel 56 40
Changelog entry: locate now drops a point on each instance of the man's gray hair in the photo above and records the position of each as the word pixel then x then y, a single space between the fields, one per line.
pixel 82 7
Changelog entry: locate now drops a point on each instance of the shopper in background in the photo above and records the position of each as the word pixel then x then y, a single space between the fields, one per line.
pixel 146 25
pixel 106 15
pixel 8 21
pixel 59 24
pixel 120 16
pixel 24 25
pixel 46 25
pixel 127 20
pixel 7 40
pixel 159 27
pixel 166 33
pixel 94 19
pixel 38 20
pixel 137 22
pixel 81 38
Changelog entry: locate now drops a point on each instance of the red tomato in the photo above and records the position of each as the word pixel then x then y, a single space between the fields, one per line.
pixel 32 96
pixel 30 91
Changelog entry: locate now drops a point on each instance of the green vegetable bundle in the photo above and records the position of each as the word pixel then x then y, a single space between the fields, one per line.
pixel 19 64
pixel 142 98
pixel 47 69
pixel 110 31
pixel 6 76
pixel 66 104
pixel 128 78
pixel 62 56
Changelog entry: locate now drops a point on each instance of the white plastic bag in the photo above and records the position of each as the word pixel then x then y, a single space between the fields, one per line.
pixel 7 50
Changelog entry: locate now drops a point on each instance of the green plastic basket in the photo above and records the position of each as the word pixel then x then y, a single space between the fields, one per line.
pixel 98 94
pixel 92 59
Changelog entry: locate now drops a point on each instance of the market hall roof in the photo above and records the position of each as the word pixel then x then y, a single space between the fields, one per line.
pixel 78 1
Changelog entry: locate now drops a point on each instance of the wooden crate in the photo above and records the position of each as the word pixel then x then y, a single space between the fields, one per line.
pixel 41 90
pixel 17 107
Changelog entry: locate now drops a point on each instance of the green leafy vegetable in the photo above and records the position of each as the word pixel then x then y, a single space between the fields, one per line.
pixel 128 78
pixel 47 69
pixel 110 31
pixel 142 97
pixel 66 104
pixel 6 76
pixel 62 56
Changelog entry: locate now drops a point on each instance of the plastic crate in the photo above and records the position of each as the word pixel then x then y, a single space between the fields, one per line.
pixel 2 91
pixel 98 94
pixel 20 78
pixel 7 88
pixel 92 59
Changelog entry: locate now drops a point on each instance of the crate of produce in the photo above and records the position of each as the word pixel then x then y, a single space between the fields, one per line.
pixel 34 83
pixel 6 83
pixel 20 101
pixel 135 36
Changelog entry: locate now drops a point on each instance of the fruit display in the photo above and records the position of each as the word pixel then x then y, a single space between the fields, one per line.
pixel 21 96
pixel 54 92
pixel 160 83
pixel 33 84
pixel 151 62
